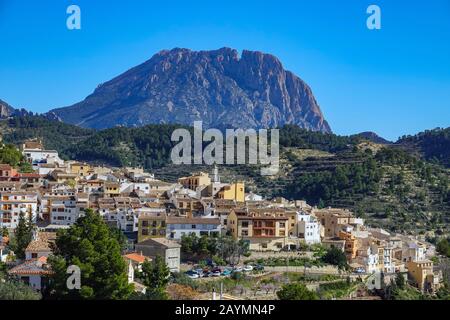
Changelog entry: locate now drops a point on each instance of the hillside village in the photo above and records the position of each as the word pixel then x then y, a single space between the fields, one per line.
pixel 155 216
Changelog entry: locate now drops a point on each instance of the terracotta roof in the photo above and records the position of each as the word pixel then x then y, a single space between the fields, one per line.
pixel 32 267
pixel 5 167
pixel 42 244
pixel 136 257
pixel 32 145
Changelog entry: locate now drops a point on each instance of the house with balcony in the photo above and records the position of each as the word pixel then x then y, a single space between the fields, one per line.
pixel 264 229
pixel 13 203
pixel 151 224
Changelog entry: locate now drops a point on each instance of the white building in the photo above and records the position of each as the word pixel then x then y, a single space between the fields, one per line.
pixel 37 155
pixel 15 202
pixel 167 249
pixel 122 211
pixel 308 228
pixel 368 258
pixel 178 227
pixel 34 272
pixel 65 211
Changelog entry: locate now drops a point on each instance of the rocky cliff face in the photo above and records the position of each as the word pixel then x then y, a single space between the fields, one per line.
pixel 219 87
pixel 5 110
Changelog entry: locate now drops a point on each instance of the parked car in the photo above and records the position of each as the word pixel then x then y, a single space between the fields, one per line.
pixel 199 272
pixel 248 267
pixel 360 270
pixel 227 272
pixel 258 267
pixel 238 269
pixel 216 273
pixel 192 275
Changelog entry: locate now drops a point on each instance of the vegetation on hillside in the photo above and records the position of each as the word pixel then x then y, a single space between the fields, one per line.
pixel 433 145
pixel 55 135
pixel 391 186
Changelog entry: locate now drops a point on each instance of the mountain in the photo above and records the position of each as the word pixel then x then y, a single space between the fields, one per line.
pixel 372 137
pixel 5 109
pixel 432 145
pixel 219 87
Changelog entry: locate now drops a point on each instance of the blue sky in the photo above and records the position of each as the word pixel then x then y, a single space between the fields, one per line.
pixel 393 81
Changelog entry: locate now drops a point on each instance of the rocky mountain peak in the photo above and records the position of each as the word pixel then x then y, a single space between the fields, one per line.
pixel 220 87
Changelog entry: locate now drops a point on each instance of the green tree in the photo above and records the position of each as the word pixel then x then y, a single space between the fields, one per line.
pixel 22 235
pixel 10 155
pixel 5 232
pixel 25 167
pixel 93 247
pixel 337 258
pixel 296 291
pixel 15 290
pixel 443 247
pixel 3 270
pixel 188 242
pixel 155 277
pixel 400 281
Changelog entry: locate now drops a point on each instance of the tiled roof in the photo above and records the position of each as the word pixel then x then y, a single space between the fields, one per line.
pixel 32 267
pixel 161 241
pixel 42 244
pixel 136 257
pixel 5 167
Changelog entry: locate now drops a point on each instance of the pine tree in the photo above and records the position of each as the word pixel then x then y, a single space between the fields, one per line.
pixel 155 276
pixel 22 236
pixel 92 246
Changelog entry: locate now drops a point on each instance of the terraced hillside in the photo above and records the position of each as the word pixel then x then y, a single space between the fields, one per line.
pixel 390 185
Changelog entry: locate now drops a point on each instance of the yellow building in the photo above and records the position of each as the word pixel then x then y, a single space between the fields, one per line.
pixel 332 220
pixel 265 231
pixel 351 244
pixel 196 180
pixel 235 191
pixel 62 177
pixel 151 225
pixel 421 273
pixel 80 169
pixel 111 189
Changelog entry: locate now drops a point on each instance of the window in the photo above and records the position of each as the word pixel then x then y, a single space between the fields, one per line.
pixel 145 232
pixel 244 233
pixel 244 224
pixel 194 226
